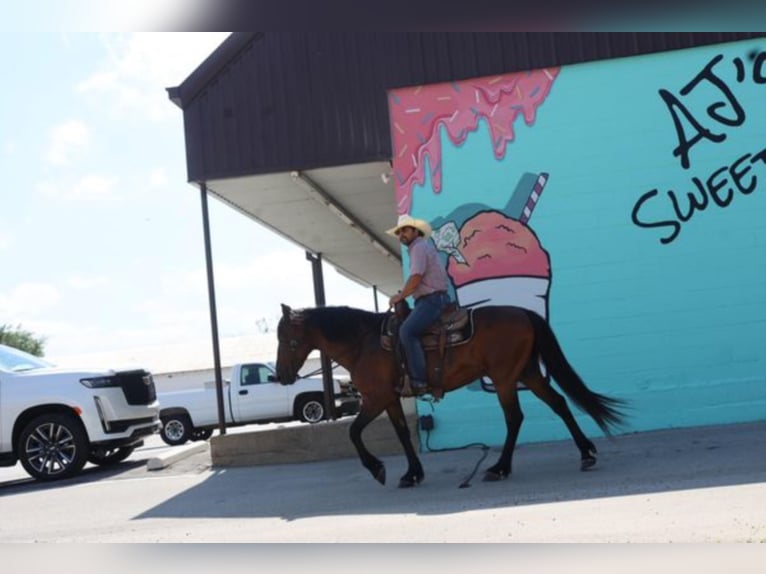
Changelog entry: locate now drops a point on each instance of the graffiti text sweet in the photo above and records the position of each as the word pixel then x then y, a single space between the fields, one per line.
pixel 719 189
pixel 705 111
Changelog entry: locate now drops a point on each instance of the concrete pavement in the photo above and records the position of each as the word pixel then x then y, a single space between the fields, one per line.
pixel 704 484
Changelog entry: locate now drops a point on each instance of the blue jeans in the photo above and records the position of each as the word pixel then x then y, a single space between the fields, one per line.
pixel 426 312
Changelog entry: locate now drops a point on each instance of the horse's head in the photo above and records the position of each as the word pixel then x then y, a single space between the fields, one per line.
pixel 293 347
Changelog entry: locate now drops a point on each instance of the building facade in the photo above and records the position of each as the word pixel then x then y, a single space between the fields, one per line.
pixel 624 200
pixel 611 182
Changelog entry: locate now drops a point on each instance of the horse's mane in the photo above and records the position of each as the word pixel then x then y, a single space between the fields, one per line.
pixel 342 324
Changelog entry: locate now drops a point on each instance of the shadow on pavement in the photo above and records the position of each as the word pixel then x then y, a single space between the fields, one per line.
pixel 635 464
pixel 90 473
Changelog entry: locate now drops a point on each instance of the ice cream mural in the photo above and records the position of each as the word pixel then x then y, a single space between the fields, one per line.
pixel 631 221
pixel 493 256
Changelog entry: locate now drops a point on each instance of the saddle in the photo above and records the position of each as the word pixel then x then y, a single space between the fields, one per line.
pixel 454 327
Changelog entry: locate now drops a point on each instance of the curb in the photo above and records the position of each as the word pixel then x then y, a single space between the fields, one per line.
pixel 175 454
pixel 326 440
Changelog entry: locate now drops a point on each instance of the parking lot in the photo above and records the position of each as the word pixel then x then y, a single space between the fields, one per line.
pixel 704 484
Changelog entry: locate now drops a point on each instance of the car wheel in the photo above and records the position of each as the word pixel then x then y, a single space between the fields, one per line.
pixel 53 446
pixel 201 434
pixel 110 456
pixel 176 429
pixel 311 409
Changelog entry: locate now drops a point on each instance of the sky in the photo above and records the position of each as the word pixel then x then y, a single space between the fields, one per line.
pixel 101 241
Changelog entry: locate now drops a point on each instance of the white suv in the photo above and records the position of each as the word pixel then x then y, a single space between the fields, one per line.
pixel 55 420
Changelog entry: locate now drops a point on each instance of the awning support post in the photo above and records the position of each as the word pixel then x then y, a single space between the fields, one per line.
pixel 329 395
pixel 213 311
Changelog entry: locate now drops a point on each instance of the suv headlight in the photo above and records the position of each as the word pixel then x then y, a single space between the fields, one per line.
pixel 100 382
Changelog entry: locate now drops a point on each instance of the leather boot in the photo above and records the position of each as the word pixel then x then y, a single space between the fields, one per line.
pixel 418 387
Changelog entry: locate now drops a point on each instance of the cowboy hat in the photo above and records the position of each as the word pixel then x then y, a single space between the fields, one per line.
pixel 406 220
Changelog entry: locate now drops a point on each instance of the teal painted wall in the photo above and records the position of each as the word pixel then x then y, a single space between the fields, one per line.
pixel 673 323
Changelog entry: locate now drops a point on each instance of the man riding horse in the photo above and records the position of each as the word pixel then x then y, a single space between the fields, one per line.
pixel 428 284
pixel 507 344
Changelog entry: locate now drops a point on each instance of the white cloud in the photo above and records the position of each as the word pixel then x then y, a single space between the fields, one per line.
pixel 267 280
pixel 82 283
pixel 92 187
pixel 49 189
pixel 267 270
pixel 142 65
pixel 184 283
pixel 5 240
pixel 161 322
pixel 158 178
pixel 9 148
pixel 66 142
pixel 28 298
pixel 248 296
pixel 91 15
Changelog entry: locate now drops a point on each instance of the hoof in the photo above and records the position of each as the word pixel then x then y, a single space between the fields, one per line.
pixel 380 476
pixel 409 482
pixel 494 476
pixel 587 462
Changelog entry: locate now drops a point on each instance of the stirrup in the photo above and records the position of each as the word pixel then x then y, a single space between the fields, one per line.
pixel 403 387
pixel 420 390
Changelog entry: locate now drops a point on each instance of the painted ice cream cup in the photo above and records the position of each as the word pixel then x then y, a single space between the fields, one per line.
pixel 499 261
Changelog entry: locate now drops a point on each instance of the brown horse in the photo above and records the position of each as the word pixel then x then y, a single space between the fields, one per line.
pixel 506 346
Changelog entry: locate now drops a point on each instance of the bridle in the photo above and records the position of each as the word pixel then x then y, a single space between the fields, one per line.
pixel 294 319
pixel 292 342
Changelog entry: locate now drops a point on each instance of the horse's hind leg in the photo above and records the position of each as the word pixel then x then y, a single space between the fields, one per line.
pixel 369 461
pixel 541 387
pixel 509 400
pixel 414 474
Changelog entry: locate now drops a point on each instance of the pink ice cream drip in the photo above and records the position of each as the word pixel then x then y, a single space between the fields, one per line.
pixel 417 113
pixel 493 245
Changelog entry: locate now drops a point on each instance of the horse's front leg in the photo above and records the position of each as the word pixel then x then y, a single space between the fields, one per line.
pixel 369 461
pixel 414 474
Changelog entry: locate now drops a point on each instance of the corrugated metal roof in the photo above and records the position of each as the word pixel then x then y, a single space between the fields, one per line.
pixel 271 102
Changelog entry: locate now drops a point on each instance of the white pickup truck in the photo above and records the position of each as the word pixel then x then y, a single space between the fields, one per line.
pixel 251 396
pixel 55 420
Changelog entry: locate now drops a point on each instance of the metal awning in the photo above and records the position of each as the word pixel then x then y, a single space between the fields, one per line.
pixel 341 213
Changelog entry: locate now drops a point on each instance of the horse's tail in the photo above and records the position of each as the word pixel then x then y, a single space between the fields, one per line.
pixel 604 410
